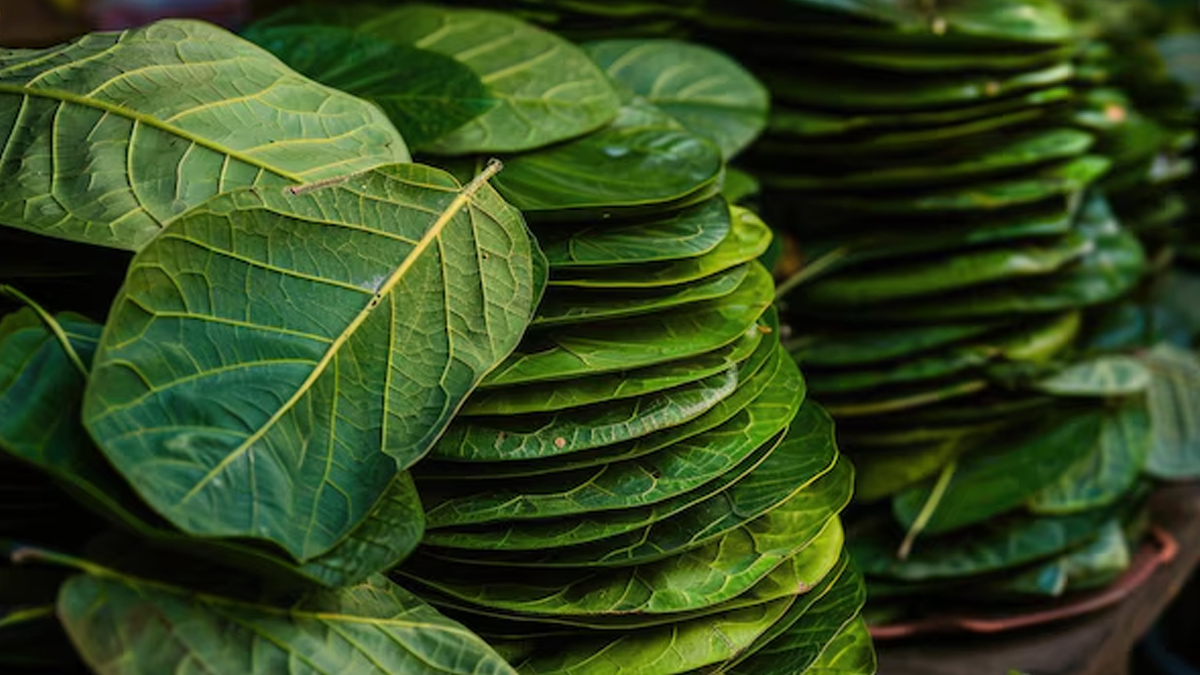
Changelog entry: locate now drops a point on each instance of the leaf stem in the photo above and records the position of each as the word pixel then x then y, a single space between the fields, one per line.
pixel 811 270
pixel 51 323
pixel 927 511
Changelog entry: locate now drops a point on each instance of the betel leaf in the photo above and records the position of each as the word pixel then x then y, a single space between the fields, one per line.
pixel 681 467
pixel 548 89
pixel 586 305
pixel 425 94
pixel 283 345
pixel 1110 470
pixel 512 438
pixel 641 162
pixel 999 545
pixel 688 233
pixel 709 93
pixel 1174 400
pixel 129 626
pixel 717 572
pixel 159 119
pixel 586 390
pixel 748 239
pixel 1100 377
pixel 1004 472
pixel 41 392
pixel 636 342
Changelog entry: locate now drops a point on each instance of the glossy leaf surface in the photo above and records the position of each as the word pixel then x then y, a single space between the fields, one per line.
pixel 282 346
pixel 709 93
pixel 157 125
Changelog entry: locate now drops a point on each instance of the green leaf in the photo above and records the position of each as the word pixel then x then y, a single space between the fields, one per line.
pixel 714 573
pixel 872 346
pixel 128 626
pixel 1174 399
pixel 42 392
pixel 880 283
pixel 587 305
pixel 804 644
pixel 681 467
pixel 999 545
pixel 640 163
pixel 1099 377
pixel 891 93
pixel 748 239
pixel 516 400
pixel 688 233
pixel 1018 150
pixel 425 94
pixel 625 344
pixel 851 653
pixel 266 345
pixel 548 89
pixel 160 119
pixel 1003 473
pixel 709 93
pixel 1107 473
pixel 799 469
pixel 513 438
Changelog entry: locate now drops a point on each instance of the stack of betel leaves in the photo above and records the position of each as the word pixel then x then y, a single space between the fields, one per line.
pixel 644 486
pixel 929 161
pixel 1140 115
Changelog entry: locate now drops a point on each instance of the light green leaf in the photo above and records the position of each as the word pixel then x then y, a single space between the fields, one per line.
pixel 158 120
pixel 283 345
pixel 709 93
pixel 127 626
pixel 1100 377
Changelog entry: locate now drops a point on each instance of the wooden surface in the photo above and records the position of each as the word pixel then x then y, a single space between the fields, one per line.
pixel 1096 645
pixel 34 23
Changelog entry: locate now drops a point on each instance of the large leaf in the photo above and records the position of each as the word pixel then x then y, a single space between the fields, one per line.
pixel 548 89
pixel 1174 400
pixel 284 346
pixel 705 90
pixel 1110 470
pixel 1006 471
pixel 998 545
pixel 425 94
pixel 126 626
pixel 1100 377
pixel 40 394
pixel 158 120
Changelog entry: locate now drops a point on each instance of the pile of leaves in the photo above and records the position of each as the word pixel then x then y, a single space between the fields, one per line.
pixel 245 401
pixel 646 469
pixel 963 303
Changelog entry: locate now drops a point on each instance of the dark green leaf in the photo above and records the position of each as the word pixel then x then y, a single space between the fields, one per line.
pixel 424 93
pixel 1174 399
